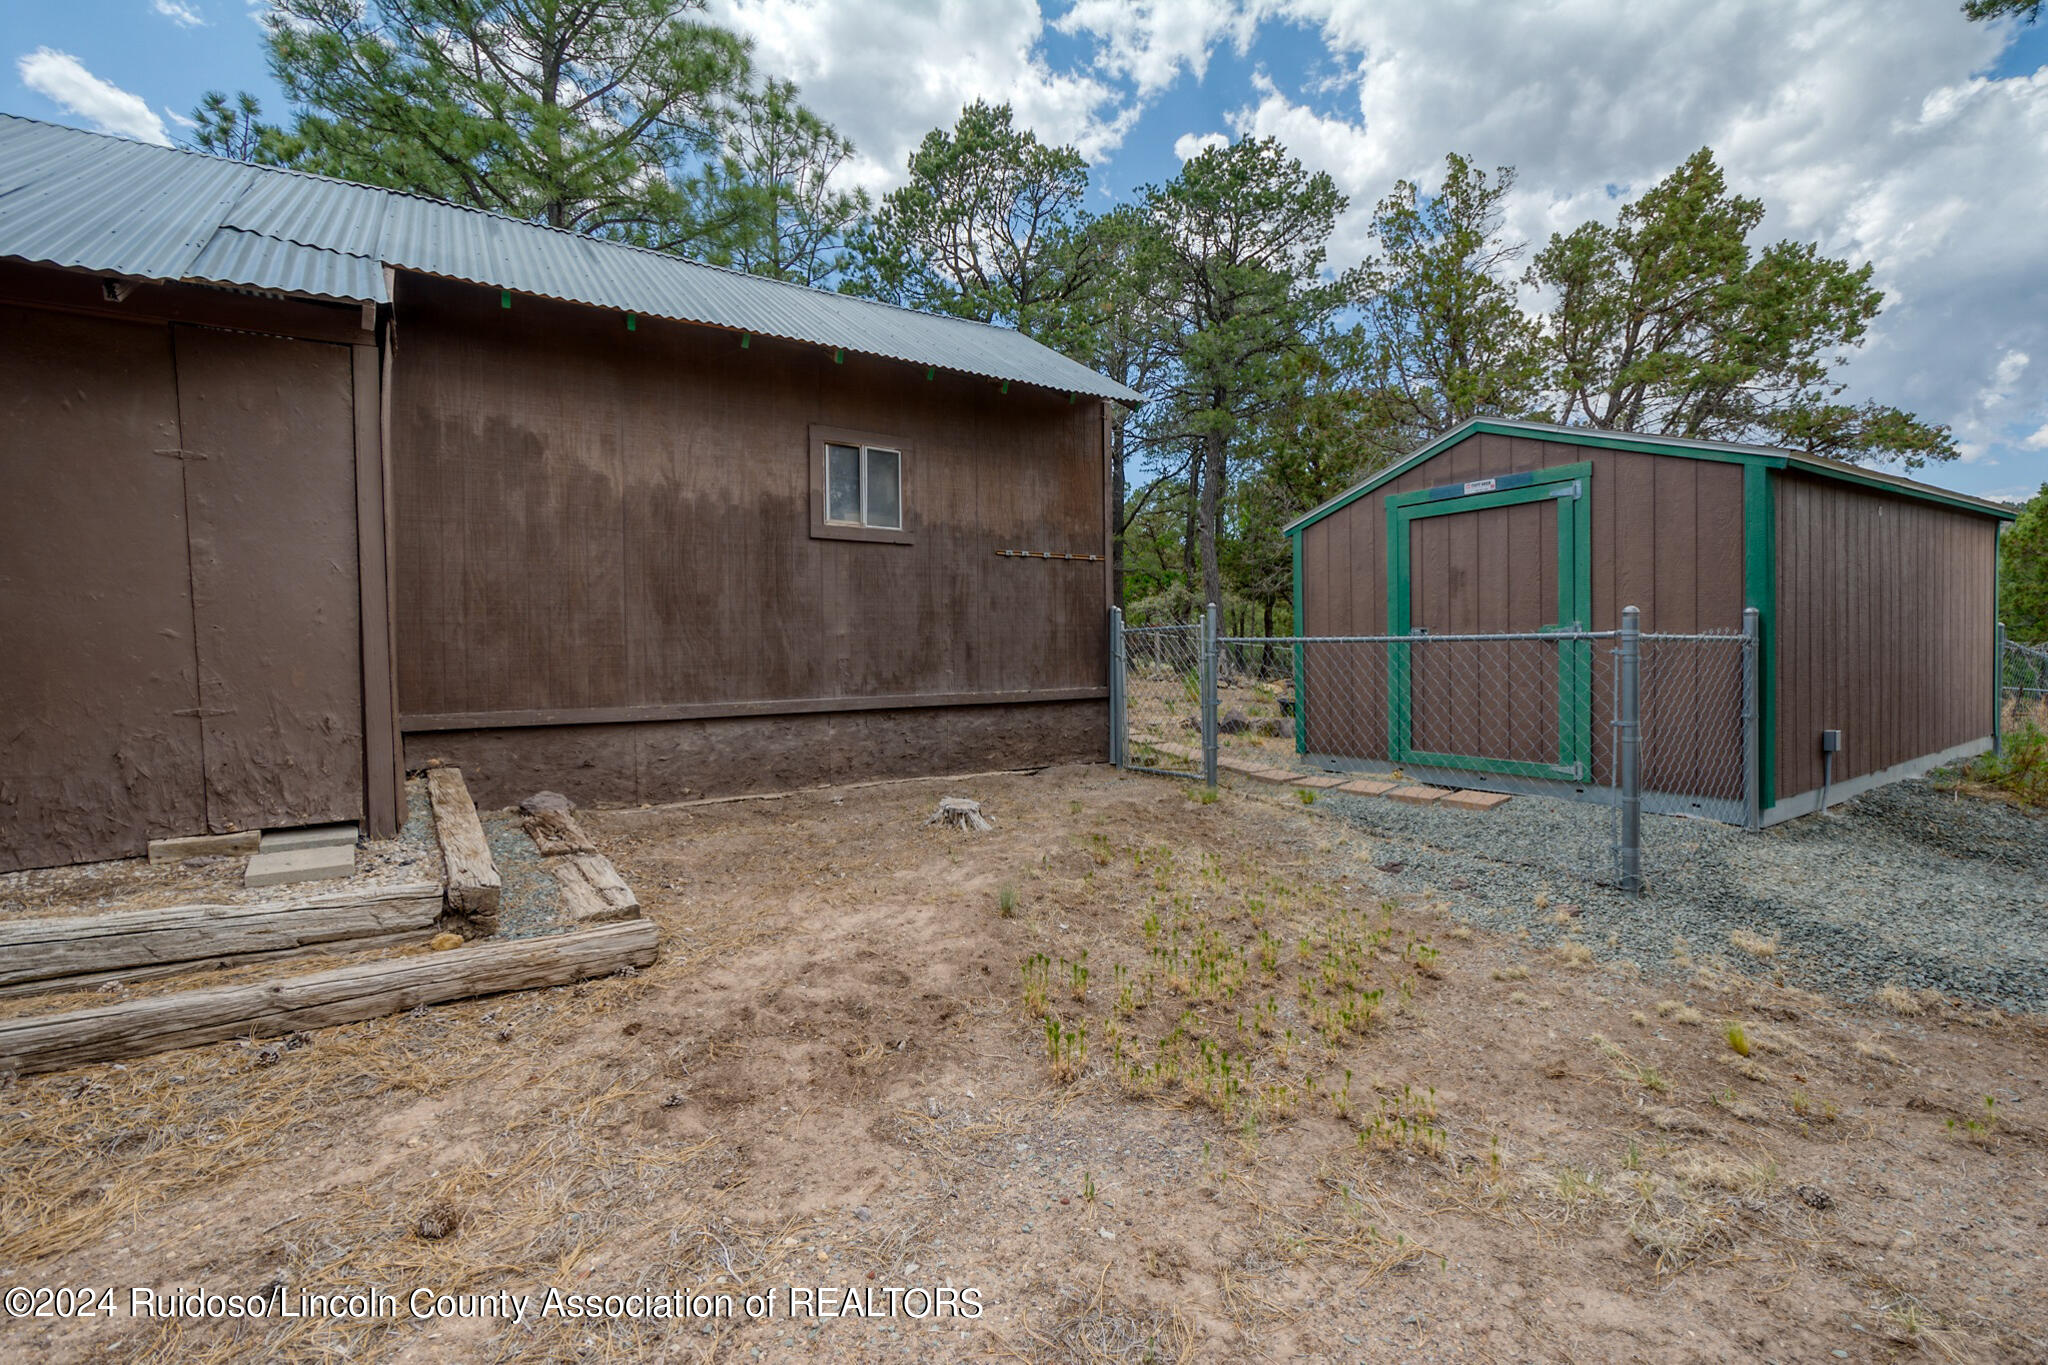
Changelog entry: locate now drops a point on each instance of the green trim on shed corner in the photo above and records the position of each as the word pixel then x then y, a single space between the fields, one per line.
pixel 1681 446
pixel 1760 590
pixel 1300 664
pixel 1997 647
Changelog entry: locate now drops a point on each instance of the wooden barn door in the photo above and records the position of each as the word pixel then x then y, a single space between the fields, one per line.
pixel 1501 556
pixel 178 585
pixel 270 497
pixel 99 731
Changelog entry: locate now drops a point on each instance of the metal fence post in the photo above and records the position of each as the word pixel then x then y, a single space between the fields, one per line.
pixel 1209 659
pixel 1629 748
pixel 1998 690
pixel 1752 723
pixel 1119 677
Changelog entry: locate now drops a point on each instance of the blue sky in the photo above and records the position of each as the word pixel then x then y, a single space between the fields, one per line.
pixel 1894 132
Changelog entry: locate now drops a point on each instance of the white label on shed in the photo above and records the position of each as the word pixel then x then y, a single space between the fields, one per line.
pixel 1479 486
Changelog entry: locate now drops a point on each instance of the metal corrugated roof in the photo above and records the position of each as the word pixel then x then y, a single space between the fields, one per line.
pixel 1652 444
pixel 94 202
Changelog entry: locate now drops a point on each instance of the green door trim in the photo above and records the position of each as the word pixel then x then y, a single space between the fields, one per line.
pixel 1568 486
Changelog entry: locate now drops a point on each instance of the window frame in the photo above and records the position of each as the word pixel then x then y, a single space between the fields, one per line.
pixel 824 529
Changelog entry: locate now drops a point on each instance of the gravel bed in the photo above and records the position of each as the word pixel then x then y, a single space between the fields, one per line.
pixel 532 900
pixel 1905 885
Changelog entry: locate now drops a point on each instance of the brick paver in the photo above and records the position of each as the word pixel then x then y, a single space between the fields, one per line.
pixel 1469 800
pixel 1366 786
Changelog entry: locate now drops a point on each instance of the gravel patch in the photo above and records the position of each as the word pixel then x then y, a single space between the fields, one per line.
pixel 1905 885
pixel 532 901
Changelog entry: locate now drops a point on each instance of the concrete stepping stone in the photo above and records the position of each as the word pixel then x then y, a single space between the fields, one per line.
pixel 1473 800
pixel 1418 796
pixel 341 835
pixel 284 866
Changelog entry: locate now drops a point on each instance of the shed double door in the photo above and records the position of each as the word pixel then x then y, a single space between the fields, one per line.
pixel 178 585
pixel 1504 556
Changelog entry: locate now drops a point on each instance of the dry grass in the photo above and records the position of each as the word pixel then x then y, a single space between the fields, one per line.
pixel 1755 1178
pixel 114 1150
pixel 1755 945
pixel 1899 1000
pixel 1105 1327
pixel 1576 955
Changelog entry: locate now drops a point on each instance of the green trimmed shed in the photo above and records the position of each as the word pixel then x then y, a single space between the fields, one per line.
pixel 1876 595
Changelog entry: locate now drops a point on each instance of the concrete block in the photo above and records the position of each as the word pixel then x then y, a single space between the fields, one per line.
pixel 1366 786
pixel 203 846
pixel 312 836
pixel 1319 782
pixel 1418 796
pixel 301 865
pixel 1476 800
pixel 1275 774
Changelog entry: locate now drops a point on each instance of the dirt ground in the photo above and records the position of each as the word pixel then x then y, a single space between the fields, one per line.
pixel 1303 1124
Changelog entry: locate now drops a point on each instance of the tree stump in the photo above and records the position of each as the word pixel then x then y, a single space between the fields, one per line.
pixel 957 812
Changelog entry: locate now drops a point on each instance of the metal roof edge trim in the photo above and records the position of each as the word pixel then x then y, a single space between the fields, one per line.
pixel 1683 447
pixel 1103 386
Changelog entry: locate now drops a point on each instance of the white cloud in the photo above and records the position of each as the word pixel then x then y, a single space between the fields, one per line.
pixel 61 78
pixel 184 16
pixel 1873 136
pixel 2039 440
pixel 179 119
pixel 887 72
pixel 2011 366
pixel 1150 42
pixel 1188 146
pixel 1872 130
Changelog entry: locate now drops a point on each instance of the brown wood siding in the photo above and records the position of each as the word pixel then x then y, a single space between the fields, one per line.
pixel 1884 628
pixel 178 575
pixel 592 519
pixel 1666 537
pixel 98 681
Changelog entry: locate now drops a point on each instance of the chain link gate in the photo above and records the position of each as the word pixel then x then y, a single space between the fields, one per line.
pixel 1626 722
pixel 1162 697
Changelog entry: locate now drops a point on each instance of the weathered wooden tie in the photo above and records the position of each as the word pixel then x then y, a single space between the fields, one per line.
pixel 592 889
pixel 49 953
pixel 555 832
pixel 344 995
pixel 474 890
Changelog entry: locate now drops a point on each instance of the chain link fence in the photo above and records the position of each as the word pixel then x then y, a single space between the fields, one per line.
pixel 1638 724
pixel 2022 684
